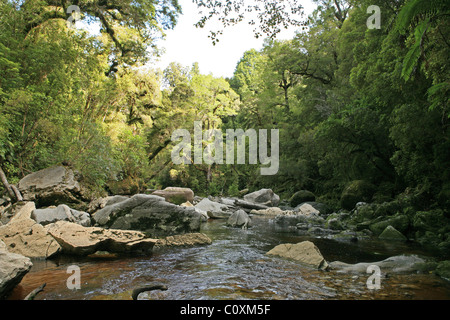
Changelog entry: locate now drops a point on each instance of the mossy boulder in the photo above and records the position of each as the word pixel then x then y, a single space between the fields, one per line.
pixel 443 269
pixel 356 191
pixel 390 233
pixel 400 222
pixel 301 196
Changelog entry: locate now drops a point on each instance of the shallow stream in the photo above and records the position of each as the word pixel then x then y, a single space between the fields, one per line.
pixel 234 266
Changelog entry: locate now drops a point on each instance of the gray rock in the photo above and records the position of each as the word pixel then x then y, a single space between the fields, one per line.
pixel 395 264
pixel 13 268
pixel 239 219
pixel 264 196
pixel 61 213
pixel 176 195
pixel 100 203
pixel 214 209
pixel 151 214
pixel 52 186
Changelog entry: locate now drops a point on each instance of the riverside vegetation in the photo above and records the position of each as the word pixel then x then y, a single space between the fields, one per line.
pixel 362 115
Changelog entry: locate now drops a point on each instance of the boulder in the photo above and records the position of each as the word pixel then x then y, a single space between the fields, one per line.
pixel 321 208
pixel 356 191
pixel 23 235
pixel 182 240
pixel 272 211
pixel 400 222
pixel 151 214
pixel 52 186
pixel 78 240
pixel 176 195
pixel 239 219
pixel 300 197
pixel 214 209
pixel 62 212
pixel 443 269
pixel 13 268
pixel 307 209
pixel 395 264
pixel 304 252
pixel 264 196
pixel 390 233
pixel 100 203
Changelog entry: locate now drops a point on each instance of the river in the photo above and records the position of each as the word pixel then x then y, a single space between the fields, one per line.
pixel 234 266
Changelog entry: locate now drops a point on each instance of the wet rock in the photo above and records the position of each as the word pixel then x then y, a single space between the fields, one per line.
pixel 182 240
pixel 176 195
pixel 149 213
pixel 23 235
pixel 395 264
pixel 239 219
pixel 78 240
pixel 53 186
pixel 443 269
pixel 307 209
pixel 264 196
pixel 390 233
pixel 62 212
pixel 13 268
pixel 304 252
pixel 322 208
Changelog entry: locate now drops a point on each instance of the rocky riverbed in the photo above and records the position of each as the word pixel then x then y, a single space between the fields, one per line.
pixel 254 246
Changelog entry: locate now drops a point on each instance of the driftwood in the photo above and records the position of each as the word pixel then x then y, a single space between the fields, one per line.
pixel 148 287
pixel 34 293
pixel 13 192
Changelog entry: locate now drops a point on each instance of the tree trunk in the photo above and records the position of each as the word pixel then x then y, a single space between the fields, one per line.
pixel 13 192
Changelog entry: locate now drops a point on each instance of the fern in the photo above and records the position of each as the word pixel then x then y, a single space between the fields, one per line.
pixel 416 8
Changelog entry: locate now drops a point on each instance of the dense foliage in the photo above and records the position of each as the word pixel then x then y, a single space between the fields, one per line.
pixel 351 103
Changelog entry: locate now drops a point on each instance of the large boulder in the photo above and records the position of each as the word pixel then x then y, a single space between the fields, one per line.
pixel 52 186
pixel 176 195
pixel 13 268
pixel 239 219
pixel 151 214
pixel 304 252
pixel 23 235
pixel 390 233
pixel 264 196
pixel 395 264
pixel 61 212
pixel 356 191
pixel 300 197
pixel 214 210
pixel 78 240
pixel 100 203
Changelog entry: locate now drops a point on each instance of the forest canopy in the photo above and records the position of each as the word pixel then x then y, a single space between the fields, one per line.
pixel 351 103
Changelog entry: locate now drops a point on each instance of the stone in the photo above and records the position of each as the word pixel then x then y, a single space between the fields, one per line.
pixel 13 267
pixel 300 197
pixel 322 208
pixel 443 269
pixel 182 240
pixel 239 219
pixel 213 209
pixel 62 212
pixel 304 252
pixel 176 195
pixel 151 214
pixel 395 264
pixel 400 222
pixel 264 196
pixel 100 203
pixel 82 241
pixel 390 233
pixel 272 211
pixel 52 186
pixel 356 191
pixel 307 209
pixel 23 235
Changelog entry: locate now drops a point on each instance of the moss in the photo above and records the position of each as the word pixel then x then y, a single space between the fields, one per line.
pixel 356 191
pixel 301 196
pixel 443 269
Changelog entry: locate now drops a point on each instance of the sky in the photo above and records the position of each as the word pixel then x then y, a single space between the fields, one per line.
pixel 187 44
